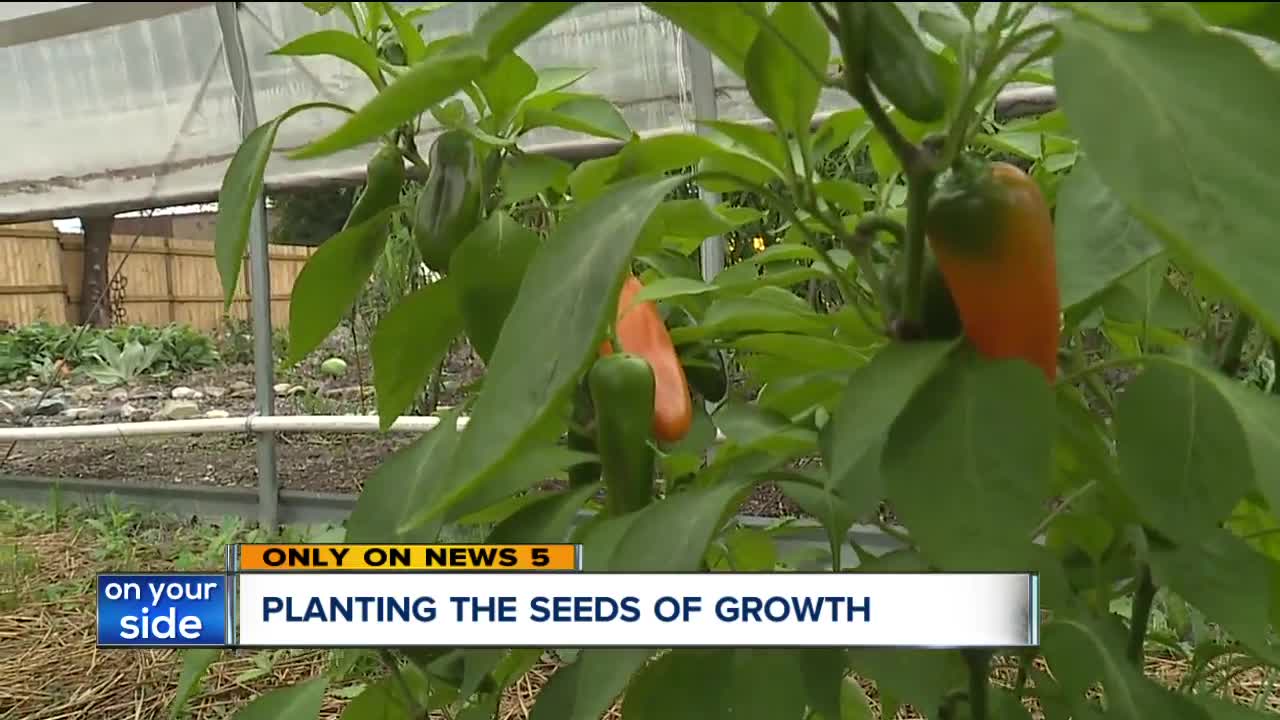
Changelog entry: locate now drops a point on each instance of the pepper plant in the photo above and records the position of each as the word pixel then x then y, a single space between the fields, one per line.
pixel 993 279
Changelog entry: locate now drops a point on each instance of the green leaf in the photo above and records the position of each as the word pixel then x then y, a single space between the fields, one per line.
pixel 846 126
pixel 552 79
pixel 701 684
pixel 415 48
pixel 385 698
pixel 823 671
pixel 1081 654
pixel 547 520
pixel 330 281
pixel 1098 241
pixel 947 28
pixel 488 268
pixel 968 463
pixel 1183 454
pixel 874 397
pixel 754 313
pixel 526 175
pixel 294 702
pixel 672 535
pixel 500 30
pixel 238 196
pixel 568 293
pixel 586 689
pixel 505 85
pixel 726 29
pixel 1218 708
pixel 753 428
pixel 918 677
pixel 600 538
pixel 339 44
pixel 1176 164
pixel 811 353
pixel 1148 299
pixel 794 395
pixel 669 287
pixel 1255 18
pixel 1226 580
pixel 844 194
pixel 590 115
pixel 779 78
pixel 531 466
pixel 195 663
pixel 409 342
pixel 854 704
pixel 400 484
pixel 759 144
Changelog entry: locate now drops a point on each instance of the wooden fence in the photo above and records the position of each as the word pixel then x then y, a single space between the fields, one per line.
pixel 164 279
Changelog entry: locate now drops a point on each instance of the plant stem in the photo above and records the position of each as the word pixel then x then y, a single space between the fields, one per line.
pixel 918 188
pixel 907 152
pixel 1063 507
pixel 979 672
pixel 1142 601
pixel 1229 360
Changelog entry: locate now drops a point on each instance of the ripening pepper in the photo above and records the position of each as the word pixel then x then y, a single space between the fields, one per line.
pixel 586 473
pixel 991 231
pixel 384 177
pixel 703 366
pixel 940 318
pixel 641 331
pixel 900 65
pixel 622 389
pixel 449 207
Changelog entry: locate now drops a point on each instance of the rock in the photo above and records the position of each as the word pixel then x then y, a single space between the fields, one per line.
pixel 7 409
pixel 239 385
pixel 50 406
pixel 31 392
pixel 245 393
pixel 119 395
pixel 116 408
pixel 214 391
pixel 84 393
pixel 295 390
pixel 176 410
pixel 281 388
pixel 80 413
pixel 214 414
pixel 334 367
pixel 148 395
pixel 6 393
pixel 185 393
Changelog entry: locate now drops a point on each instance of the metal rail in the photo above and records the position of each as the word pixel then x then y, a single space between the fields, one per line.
pixel 298 507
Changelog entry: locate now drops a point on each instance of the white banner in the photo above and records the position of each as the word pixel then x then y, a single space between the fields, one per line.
pixel 579 610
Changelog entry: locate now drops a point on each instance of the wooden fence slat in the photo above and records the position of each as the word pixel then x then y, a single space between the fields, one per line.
pixel 166 279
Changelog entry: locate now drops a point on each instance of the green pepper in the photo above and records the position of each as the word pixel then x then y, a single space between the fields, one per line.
pixel 901 66
pixel 385 176
pixel 622 389
pixel 587 473
pixel 449 207
pixel 704 367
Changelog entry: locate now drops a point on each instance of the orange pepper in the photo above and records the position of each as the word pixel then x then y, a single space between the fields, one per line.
pixel 640 329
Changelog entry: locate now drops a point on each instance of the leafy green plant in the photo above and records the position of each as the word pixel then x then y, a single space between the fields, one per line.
pixel 1082 243
pixel 119 366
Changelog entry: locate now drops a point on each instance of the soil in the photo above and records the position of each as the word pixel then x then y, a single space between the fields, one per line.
pixel 306 461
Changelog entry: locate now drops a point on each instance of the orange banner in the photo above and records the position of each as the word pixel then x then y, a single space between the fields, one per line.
pixel 336 558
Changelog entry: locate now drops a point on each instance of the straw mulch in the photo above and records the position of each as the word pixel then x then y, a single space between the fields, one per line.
pixel 50 668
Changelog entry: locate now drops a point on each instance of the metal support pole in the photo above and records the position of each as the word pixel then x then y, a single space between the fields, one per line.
pixel 259 272
pixel 702 87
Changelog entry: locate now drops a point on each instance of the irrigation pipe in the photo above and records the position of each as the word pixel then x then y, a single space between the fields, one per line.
pixel 344 424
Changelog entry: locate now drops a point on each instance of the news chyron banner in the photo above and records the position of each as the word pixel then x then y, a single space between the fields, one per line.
pixel 370 596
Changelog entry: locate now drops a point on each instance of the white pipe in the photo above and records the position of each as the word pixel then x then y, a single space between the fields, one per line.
pixel 343 424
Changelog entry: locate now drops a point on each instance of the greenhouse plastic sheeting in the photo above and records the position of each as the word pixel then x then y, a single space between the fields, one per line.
pixel 143 114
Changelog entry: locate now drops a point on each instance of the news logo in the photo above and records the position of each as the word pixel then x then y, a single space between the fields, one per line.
pixel 162 610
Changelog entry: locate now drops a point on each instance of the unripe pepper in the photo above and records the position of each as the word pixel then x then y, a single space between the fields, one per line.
pixel 641 331
pixel 384 177
pixel 900 65
pixel 622 389
pixel 992 233
pixel 449 206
